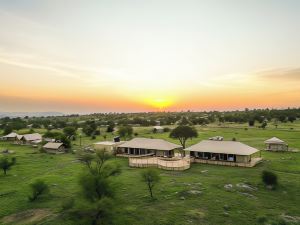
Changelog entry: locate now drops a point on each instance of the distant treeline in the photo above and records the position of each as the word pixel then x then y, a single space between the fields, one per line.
pixel 152 118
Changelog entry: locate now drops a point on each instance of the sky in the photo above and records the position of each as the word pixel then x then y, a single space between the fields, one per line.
pixel 132 55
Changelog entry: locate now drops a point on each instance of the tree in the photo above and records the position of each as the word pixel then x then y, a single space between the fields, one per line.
pixel 89 128
pixel 38 188
pixel 7 130
pixel 251 122
pixel 269 178
pixel 291 118
pixel 150 177
pixel 5 164
pixel 110 127
pixel 97 188
pixel 183 133
pixel 264 124
pixel 69 131
pixel 125 131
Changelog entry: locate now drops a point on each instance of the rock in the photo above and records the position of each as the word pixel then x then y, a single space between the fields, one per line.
pixel 226 214
pixel 195 192
pixel 290 219
pixel 248 195
pixel 228 186
pixel 182 198
pixel 246 187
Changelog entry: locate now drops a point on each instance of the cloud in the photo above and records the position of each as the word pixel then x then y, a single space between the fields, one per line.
pixel 280 74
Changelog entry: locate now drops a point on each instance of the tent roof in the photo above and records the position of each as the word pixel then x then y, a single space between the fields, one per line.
pixel 226 147
pixel 148 143
pixel 11 135
pixel 53 145
pixel 274 140
pixel 32 137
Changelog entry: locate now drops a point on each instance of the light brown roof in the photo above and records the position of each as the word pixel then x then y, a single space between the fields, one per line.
pixel 19 137
pixel 274 140
pixel 11 135
pixel 227 147
pixel 53 145
pixel 148 143
pixel 32 137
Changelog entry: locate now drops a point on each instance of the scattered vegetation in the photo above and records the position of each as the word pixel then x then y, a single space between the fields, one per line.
pixel 6 163
pixel 269 178
pixel 151 178
pixel 38 188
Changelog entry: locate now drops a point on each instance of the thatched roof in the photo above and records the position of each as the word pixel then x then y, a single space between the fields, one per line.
pixel 148 143
pixel 53 145
pixel 274 140
pixel 225 147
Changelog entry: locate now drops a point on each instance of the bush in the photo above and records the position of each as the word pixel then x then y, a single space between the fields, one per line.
pixel 261 220
pixel 38 188
pixel 67 203
pixel 269 178
pixel 166 129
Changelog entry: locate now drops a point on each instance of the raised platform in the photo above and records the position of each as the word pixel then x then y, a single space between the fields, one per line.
pixel 252 163
pixel 162 163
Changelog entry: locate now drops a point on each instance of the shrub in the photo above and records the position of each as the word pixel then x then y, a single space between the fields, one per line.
pixel 261 220
pixel 166 129
pixel 67 203
pixel 38 188
pixel 6 164
pixel 233 139
pixel 269 178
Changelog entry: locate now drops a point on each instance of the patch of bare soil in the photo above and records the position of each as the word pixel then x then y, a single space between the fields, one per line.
pixel 31 216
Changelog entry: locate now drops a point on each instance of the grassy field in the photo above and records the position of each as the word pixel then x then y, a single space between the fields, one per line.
pixel 195 196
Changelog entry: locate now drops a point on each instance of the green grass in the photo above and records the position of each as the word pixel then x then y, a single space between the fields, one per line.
pixel 215 204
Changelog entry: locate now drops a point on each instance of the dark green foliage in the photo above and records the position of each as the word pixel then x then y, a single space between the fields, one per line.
pixel 96 186
pixel 67 203
pixel 6 164
pixel 251 122
pixel 69 131
pixel 125 131
pixel 166 129
pixel 7 130
pixel 264 124
pixel 59 136
pixel 269 178
pixel 182 133
pixel 89 128
pixel 261 219
pixel 38 188
pixel 110 128
pixel 151 178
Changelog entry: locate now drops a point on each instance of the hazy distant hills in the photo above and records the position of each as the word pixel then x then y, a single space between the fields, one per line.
pixel 29 114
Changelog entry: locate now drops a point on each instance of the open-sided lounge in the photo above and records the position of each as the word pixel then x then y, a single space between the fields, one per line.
pixel 147 146
pixel 231 153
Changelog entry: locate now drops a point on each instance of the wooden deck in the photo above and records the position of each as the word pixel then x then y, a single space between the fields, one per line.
pixel 252 163
pixel 162 163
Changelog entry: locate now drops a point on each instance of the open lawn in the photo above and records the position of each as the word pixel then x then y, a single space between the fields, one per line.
pixel 194 196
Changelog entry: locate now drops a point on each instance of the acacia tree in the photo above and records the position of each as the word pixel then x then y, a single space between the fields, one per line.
pixel 5 164
pixel 96 185
pixel 183 133
pixel 125 131
pixel 150 177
